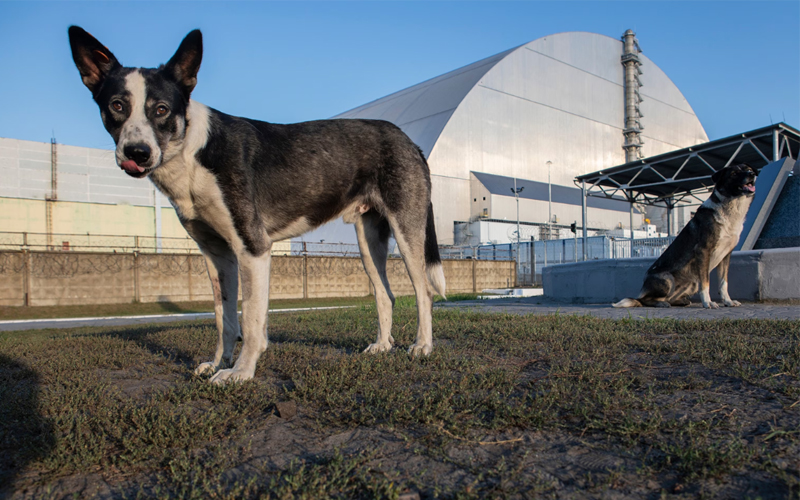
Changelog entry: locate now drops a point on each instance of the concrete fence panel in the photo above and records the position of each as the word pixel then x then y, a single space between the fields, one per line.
pixel 12 278
pixel 336 277
pixel 66 278
pixel 75 278
pixel 286 278
pixel 172 278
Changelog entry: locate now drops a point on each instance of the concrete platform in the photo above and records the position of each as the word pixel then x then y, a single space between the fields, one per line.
pixel 755 275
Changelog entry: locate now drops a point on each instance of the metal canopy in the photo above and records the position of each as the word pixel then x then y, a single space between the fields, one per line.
pixel 680 177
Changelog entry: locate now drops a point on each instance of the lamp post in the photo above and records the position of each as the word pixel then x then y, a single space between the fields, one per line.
pixel 549 207
pixel 549 198
pixel 516 195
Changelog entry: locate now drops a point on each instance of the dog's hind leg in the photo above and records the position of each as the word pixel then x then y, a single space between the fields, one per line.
pixel 373 233
pixel 254 271
pixel 657 289
pixel 681 301
pixel 411 240
pixel 223 270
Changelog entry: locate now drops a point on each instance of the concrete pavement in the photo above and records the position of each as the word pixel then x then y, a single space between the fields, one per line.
pixel 542 305
pixel 36 324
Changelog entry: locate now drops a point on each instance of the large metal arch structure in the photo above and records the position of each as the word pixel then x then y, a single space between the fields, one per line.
pixel 680 177
pixel 511 113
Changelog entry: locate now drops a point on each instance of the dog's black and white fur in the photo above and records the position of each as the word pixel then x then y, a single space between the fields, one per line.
pixel 704 244
pixel 239 184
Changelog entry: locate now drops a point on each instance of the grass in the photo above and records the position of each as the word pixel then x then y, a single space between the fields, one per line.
pixel 505 406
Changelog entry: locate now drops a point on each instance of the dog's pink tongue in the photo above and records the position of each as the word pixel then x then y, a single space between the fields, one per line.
pixel 750 187
pixel 131 166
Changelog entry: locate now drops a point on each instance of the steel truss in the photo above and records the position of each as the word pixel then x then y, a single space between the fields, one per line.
pixel 682 177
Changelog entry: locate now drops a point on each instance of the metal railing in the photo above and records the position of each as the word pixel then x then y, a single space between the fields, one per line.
pixel 534 255
pixel 64 242
pixel 67 242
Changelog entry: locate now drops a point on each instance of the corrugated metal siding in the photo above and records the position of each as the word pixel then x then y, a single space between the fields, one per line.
pixel 84 175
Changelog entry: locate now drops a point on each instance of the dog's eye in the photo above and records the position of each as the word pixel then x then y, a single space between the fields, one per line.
pixel 117 106
pixel 161 110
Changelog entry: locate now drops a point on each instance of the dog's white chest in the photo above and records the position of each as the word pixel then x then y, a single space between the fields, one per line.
pixel 730 217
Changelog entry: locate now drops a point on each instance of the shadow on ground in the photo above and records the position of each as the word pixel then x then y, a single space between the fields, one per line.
pixel 25 435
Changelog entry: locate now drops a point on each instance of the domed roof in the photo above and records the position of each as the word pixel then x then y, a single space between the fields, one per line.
pixel 423 110
pixel 542 71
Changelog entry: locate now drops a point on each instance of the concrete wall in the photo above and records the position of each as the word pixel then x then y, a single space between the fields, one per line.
pixel 74 278
pixel 25 215
pixel 755 275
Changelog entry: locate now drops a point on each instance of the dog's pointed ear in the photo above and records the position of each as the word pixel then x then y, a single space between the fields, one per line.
pixel 93 59
pixel 185 64
pixel 718 174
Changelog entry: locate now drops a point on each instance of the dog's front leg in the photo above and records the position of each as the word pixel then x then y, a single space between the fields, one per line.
pixel 705 296
pixel 223 271
pixel 722 274
pixel 254 271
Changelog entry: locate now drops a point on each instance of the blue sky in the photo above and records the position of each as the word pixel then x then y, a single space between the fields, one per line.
pixel 736 62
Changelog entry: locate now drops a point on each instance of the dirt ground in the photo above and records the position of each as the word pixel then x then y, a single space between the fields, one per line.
pixel 544 408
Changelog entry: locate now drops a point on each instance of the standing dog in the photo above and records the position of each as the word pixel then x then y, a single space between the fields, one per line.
pixel 238 185
pixel 705 243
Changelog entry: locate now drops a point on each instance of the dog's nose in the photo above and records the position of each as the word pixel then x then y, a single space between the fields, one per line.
pixel 140 153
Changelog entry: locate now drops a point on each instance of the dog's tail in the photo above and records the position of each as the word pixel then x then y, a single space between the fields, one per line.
pixel 627 303
pixel 433 262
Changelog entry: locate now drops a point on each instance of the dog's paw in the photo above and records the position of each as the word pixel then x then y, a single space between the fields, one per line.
pixel 711 305
pixel 205 368
pixel 732 303
pixel 417 349
pixel 377 347
pixel 232 375
pixel 663 303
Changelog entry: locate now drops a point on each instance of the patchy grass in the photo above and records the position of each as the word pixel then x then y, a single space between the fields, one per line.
pixel 505 406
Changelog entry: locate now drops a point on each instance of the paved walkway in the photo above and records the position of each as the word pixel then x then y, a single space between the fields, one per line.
pixel 36 324
pixel 541 305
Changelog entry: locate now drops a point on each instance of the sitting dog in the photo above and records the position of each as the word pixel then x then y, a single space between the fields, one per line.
pixel 238 185
pixel 704 244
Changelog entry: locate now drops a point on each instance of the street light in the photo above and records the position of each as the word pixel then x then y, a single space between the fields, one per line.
pixel 516 195
pixel 549 199
pixel 549 208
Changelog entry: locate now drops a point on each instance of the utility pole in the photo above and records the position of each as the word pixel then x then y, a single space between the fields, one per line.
pixel 549 208
pixel 549 199
pixel 516 195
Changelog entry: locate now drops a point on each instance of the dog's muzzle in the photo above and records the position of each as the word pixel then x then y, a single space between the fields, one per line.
pixel 137 155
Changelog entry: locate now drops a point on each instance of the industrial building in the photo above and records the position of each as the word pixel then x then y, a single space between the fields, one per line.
pixel 533 117
pixel 542 113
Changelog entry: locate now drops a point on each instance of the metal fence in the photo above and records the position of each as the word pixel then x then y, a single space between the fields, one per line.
pixel 534 255
pixel 105 243
pixel 329 249
pixel 95 243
